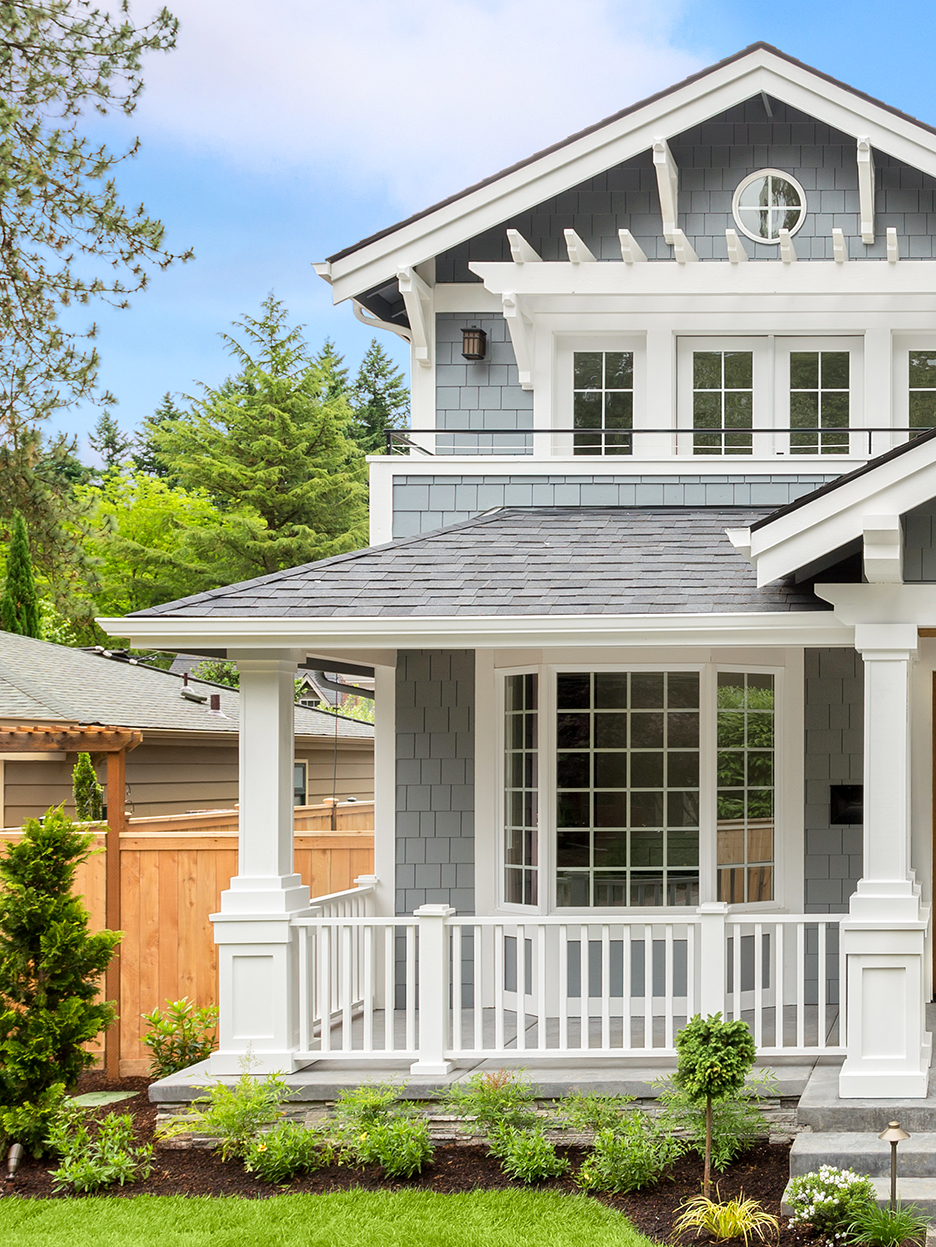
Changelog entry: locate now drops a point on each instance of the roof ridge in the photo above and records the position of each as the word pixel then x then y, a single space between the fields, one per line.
pixel 759 46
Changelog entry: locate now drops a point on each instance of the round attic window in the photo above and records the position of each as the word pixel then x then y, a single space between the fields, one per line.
pixel 767 202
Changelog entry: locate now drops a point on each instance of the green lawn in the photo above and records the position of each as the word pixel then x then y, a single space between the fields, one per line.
pixel 343 1219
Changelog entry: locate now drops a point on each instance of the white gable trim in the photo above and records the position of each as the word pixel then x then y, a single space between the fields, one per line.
pixel 841 515
pixel 678 110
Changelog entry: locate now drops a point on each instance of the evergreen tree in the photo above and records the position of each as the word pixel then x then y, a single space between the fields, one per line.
pixel 50 964
pixel 19 604
pixel 87 792
pixel 379 399
pixel 333 370
pixel 61 211
pixel 109 442
pixel 146 457
pixel 270 447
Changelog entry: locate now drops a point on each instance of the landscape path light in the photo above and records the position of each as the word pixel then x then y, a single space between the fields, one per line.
pixel 893 1135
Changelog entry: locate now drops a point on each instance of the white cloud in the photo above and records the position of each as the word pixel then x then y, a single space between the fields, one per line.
pixel 420 96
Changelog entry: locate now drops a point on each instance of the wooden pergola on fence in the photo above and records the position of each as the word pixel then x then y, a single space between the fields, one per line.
pixel 115 743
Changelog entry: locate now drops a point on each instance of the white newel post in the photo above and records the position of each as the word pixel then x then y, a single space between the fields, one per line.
pixel 713 952
pixel 257 954
pixel 433 994
pixel 883 935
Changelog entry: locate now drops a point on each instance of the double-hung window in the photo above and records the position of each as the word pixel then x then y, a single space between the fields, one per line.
pixel 638 788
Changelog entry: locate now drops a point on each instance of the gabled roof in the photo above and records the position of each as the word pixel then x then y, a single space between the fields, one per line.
pixel 540 561
pixel 835 515
pixel 757 68
pixel 48 683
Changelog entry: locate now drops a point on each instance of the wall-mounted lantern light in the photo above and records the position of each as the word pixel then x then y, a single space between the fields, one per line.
pixel 474 343
pixel 893 1135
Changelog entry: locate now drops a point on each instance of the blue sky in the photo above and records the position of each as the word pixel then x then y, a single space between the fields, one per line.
pixel 280 131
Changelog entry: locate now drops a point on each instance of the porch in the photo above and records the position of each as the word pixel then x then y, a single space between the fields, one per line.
pixel 437 988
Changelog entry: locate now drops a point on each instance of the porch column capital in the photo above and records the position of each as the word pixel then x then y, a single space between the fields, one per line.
pixel 886 641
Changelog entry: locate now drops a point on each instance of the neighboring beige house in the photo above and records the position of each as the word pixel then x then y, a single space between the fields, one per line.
pixel 188 759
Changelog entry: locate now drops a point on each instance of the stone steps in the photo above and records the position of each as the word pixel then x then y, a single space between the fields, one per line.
pixel 864 1152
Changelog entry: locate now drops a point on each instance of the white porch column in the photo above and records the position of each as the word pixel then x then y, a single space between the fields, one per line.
pixel 887 1047
pixel 258 983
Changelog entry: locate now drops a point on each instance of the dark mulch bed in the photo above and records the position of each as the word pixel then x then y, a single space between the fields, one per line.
pixel 761 1174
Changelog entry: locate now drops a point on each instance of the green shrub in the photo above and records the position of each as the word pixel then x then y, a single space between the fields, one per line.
pixel 87 793
pixel 50 964
pixel 501 1098
pixel 737 1122
pixel 357 1108
pixel 732 1218
pixel 713 1062
pixel 233 1114
pixel 288 1149
pixel 526 1155
pixel 829 1200
pixel 95 1154
pixel 180 1035
pixel 635 1154
pixel 29 1123
pixel 401 1146
pixel 590 1112
pixel 886 1227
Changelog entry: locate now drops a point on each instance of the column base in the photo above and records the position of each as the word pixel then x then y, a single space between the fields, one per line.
pixel 867 1085
pixel 435 1069
pixel 254 1063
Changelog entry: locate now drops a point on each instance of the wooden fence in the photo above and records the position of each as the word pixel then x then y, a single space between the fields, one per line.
pixel 172 873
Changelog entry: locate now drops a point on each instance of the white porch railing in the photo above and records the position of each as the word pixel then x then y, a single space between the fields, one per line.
pixel 440 987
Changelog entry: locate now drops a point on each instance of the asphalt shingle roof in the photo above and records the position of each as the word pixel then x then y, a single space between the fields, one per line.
pixel 525 561
pixel 53 683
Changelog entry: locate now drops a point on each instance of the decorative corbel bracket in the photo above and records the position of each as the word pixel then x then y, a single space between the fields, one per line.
pixel 883 549
pixel 417 297
pixel 866 189
pixel 520 328
pixel 667 174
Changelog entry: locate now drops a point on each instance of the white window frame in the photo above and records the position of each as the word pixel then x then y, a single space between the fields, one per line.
pixel 785 797
pixel 745 183
pixel 903 345
pixel 783 348
pixel 305 770
pixel 566 345
pixel 762 406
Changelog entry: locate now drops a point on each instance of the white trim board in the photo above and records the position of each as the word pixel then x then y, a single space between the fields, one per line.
pixel 482 631
pixel 759 71
pixel 837 517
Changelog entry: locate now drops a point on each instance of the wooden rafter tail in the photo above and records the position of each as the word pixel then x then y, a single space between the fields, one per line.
pixel 93 739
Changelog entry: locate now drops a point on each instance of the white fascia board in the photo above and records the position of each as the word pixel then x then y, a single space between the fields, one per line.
pixel 594 153
pixel 838 517
pixel 890 285
pixel 857 604
pixel 483 632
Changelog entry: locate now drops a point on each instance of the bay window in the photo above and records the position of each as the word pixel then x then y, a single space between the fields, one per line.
pixel 638 788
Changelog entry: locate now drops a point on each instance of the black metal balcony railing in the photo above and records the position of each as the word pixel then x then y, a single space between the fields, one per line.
pixel 686 441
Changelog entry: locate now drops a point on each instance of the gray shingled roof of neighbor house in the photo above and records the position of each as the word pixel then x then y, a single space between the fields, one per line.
pixel 44 683
pixel 524 561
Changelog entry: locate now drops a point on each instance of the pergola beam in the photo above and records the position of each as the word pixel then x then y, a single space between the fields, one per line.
pixel 56 739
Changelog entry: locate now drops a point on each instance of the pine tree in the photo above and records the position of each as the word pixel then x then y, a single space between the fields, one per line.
pixel 62 214
pixel 333 370
pixel 87 792
pixel 379 399
pixel 270 447
pixel 50 964
pixel 146 457
pixel 109 442
pixel 19 604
